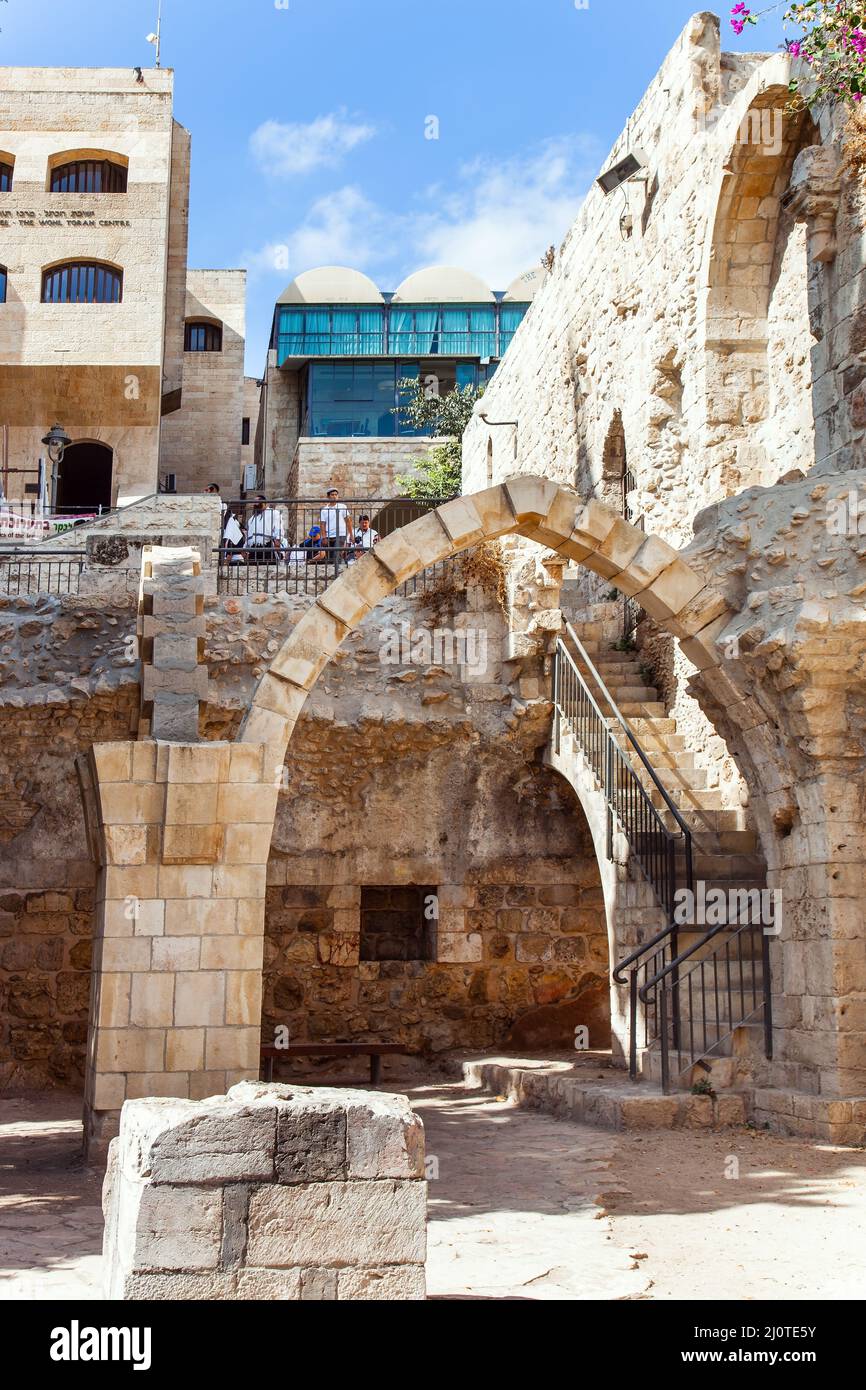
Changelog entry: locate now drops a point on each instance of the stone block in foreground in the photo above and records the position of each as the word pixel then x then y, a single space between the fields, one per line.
pixel 271 1192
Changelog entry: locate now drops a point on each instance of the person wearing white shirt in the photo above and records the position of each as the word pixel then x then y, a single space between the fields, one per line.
pixel 365 538
pixel 265 535
pixel 337 529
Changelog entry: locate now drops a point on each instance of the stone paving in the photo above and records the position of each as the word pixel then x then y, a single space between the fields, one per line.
pixel 524 1206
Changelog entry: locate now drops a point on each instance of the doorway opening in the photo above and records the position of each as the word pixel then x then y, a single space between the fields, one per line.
pixel 84 479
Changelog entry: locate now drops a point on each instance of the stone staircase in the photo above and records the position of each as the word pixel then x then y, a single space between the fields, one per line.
pixel 725 855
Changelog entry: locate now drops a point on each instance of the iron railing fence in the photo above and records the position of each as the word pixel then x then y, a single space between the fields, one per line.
pixel 699 998
pixel 241 572
pixel 26 571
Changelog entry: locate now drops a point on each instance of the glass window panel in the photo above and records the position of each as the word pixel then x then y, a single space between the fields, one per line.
pixel 510 319
pixel 2 284
pixel 89 176
pixel 82 283
pixel 372 326
pixel 5 178
pixel 317 332
pixel 345 340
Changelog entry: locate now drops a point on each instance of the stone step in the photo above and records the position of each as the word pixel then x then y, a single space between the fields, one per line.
pixel 660 757
pixel 718 830
pixel 643 709
pixel 646 727
pixel 614 669
pixel 721 869
pixel 633 694
pixel 687 800
pixel 571 1092
pixel 686 778
pixel 719 1070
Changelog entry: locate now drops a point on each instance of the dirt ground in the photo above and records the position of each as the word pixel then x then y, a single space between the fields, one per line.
pixel 521 1206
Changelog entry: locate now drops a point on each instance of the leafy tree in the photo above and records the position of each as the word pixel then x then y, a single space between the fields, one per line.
pixel 440 472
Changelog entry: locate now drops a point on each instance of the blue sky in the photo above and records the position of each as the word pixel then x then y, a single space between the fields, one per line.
pixel 308 121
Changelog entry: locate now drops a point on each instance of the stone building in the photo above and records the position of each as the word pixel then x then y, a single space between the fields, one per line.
pixel 340 349
pixel 203 441
pixel 688 392
pixel 97 315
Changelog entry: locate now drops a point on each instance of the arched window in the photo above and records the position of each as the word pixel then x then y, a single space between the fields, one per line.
pixel 82 282
pixel 88 176
pixel 5 177
pixel 203 337
pixel 2 284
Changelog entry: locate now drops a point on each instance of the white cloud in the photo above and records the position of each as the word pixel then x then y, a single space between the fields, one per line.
pixel 502 216
pixel 497 220
pixel 282 149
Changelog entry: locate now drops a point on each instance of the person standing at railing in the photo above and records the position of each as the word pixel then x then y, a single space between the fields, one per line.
pixel 265 534
pixel 231 532
pixel 337 528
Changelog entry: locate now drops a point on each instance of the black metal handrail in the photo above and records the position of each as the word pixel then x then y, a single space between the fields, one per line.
pixel 670 995
pixel 25 571
pixel 652 843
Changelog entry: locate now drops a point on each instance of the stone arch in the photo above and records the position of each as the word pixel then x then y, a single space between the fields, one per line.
pixel 672 592
pixel 759 306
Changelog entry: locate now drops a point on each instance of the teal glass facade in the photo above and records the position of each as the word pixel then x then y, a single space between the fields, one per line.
pixel 396 330
pixel 362 399
pixel 355 356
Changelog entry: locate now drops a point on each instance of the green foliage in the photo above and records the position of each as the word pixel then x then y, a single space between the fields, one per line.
pixel 440 472
pixel 831 44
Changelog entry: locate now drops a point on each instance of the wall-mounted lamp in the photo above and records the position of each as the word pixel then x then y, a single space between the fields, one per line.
pixel 630 169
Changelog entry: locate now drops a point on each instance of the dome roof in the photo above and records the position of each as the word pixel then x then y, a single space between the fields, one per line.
pixel 524 289
pixel 331 284
pixel 443 284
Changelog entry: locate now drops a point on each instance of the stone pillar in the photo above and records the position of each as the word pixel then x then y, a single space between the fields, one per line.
pixel 181 834
pixel 268 1193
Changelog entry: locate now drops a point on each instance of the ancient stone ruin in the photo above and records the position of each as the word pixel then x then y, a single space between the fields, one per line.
pixel 268 1192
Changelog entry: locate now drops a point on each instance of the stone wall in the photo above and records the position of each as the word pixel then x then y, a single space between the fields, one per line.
pixel 522 923
pixel 712 341
pixel 268 1193
pixel 201 443
pixel 358 467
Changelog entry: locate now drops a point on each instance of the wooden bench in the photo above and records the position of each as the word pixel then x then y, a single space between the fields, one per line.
pixel 375 1051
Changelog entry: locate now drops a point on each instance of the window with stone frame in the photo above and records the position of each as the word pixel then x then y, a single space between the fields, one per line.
pixel 397 924
pixel 202 336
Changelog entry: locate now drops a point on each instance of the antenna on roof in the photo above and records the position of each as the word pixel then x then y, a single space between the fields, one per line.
pixel 156 39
